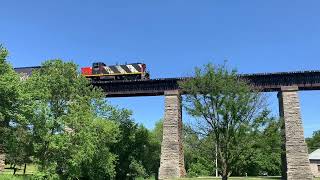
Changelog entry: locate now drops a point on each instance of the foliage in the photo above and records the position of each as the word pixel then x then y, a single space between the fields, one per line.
pixel 263 155
pixel 157 132
pixel 70 139
pixel 138 153
pixel 198 169
pixel 70 131
pixel 226 107
pixel 15 140
pixel 314 141
pixel 199 153
pixel 155 148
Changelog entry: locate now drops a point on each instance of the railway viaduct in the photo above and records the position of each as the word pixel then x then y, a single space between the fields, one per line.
pixel 287 84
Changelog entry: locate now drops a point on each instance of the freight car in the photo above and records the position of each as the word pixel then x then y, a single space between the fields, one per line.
pixel 100 71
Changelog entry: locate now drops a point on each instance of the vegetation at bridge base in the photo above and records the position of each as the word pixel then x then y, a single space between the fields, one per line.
pixel 138 151
pixel 230 115
pixel 14 141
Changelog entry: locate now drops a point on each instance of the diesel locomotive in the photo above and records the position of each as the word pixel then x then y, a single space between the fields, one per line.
pixel 100 71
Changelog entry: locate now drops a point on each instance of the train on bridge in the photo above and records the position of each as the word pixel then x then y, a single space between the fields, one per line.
pixel 100 71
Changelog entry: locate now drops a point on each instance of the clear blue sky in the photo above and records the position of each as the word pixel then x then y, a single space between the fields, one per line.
pixel 171 37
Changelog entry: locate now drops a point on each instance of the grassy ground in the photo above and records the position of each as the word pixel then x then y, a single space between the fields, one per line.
pixel 12 177
pixel 31 168
pixel 27 177
pixel 8 173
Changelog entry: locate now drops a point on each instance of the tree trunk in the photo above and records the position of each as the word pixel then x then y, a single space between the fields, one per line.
pixel 14 169
pixel 225 177
pixel 225 172
pixel 25 168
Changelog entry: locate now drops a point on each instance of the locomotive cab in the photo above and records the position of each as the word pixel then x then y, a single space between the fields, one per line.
pixel 97 67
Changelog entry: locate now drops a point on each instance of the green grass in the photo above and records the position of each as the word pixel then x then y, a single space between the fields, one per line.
pixel 27 177
pixel 7 174
pixel 31 169
pixel 12 177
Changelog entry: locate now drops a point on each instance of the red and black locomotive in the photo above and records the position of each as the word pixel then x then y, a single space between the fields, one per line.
pixel 100 71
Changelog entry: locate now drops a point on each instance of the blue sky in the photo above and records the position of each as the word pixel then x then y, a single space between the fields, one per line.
pixel 171 37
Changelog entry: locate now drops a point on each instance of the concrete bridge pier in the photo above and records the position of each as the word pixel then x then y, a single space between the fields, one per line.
pixel 295 159
pixel 172 157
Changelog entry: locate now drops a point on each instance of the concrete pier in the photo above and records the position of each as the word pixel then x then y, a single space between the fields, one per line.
pixel 295 159
pixel 172 157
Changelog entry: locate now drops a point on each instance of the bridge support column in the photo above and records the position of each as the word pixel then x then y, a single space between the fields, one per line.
pixel 295 159
pixel 172 157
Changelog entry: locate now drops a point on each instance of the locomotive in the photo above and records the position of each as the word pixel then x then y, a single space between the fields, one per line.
pixel 100 71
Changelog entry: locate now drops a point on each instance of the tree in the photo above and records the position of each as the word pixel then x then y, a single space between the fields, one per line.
pixel 72 127
pixel 225 106
pixel 263 155
pixel 13 114
pixel 313 142
pixel 199 153
pixel 155 148
pixel 136 150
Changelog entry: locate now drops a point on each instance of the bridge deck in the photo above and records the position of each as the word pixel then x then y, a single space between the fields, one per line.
pixel 266 82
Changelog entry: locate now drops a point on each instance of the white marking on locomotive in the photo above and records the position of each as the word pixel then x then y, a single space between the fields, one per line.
pixel 132 69
pixel 108 70
pixel 121 70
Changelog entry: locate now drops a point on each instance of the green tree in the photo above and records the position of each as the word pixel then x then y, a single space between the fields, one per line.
pixel 13 114
pixel 263 155
pixel 138 149
pixel 133 149
pixel 199 153
pixel 71 137
pixel 226 107
pixel 155 149
pixel 314 141
pixel 157 132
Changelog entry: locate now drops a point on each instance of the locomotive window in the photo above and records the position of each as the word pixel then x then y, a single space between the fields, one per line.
pixel 95 65
pixel 98 64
